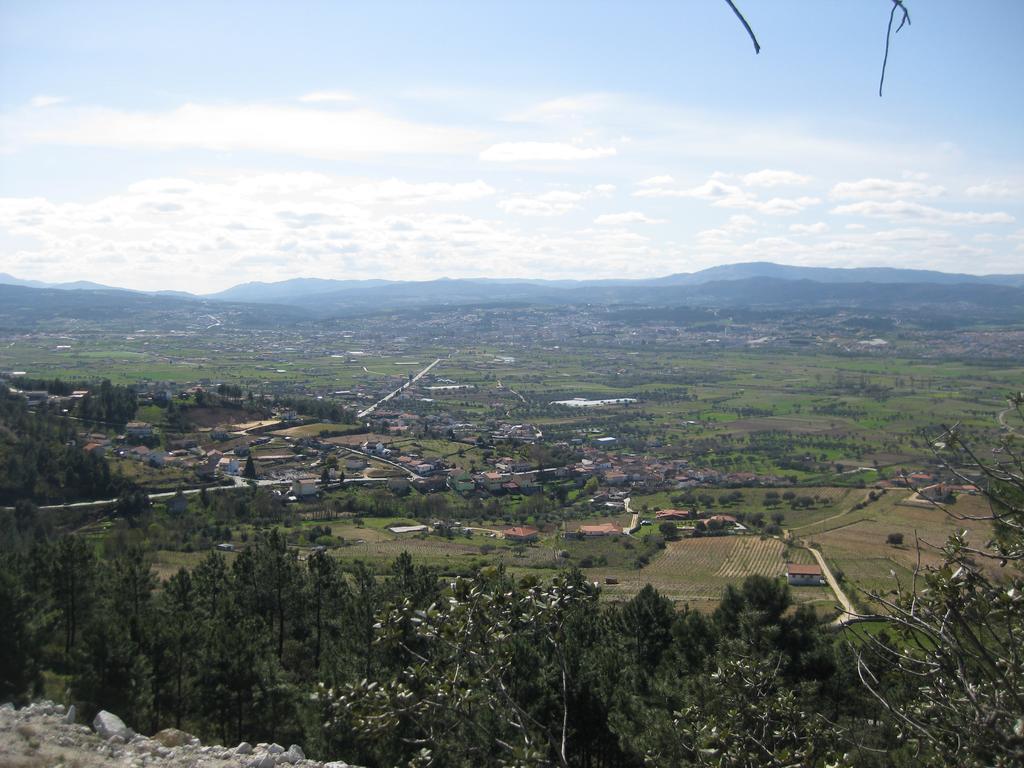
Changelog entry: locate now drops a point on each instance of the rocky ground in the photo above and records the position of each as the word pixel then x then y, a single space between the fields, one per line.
pixel 45 734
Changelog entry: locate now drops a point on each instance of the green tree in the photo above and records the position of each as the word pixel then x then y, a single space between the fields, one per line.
pixel 647 622
pixel 22 635
pixel 468 694
pixel 72 576
pixel 112 667
pixel 176 622
pixel 955 648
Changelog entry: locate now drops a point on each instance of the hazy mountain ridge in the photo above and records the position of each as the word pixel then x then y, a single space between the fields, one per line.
pixel 24 307
pixel 300 289
pixel 888 275
pixel 308 299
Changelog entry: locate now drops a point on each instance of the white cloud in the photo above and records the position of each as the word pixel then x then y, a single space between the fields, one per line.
pixel 309 132
pixel 627 217
pixel 564 108
pixel 206 233
pixel 327 96
pixel 884 189
pixel 817 228
pixel 555 203
pixel 997 190
pixel 407 193
pixel 784 206
pixel 711 190
pixel 544 151
pixel 902 210
pixel 771 178
pixel 207 230
pixel 723 195
pixel 741 222
pixel 656 181
pixel 738 225
pixel 45 101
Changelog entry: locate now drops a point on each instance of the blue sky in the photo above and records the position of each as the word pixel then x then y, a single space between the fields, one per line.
pixel 198 145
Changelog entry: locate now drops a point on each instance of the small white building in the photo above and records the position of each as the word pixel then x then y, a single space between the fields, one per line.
pixel 304 486
pixel 228 465
pixel 804 575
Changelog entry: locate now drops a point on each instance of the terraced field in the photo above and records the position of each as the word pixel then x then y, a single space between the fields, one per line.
pixel 698 570
pixel 760 556
pixel 856 543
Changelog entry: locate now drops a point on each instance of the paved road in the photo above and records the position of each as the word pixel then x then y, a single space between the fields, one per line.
pixel 833 517
pixel 239 482
pixel 634 522
pixel 849 612
pixel 1002 421
pixel 409 383
pixel 501 386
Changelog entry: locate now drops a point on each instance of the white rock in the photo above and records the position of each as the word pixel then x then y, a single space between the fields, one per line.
pixel 337 764
pixel 107 724
pixel 245 748
pixel 275 749
pixel 69 718
pixel 263 761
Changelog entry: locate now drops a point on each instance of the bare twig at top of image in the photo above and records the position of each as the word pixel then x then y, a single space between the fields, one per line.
pixel 897 6
pixel 905 19
pixel 746 26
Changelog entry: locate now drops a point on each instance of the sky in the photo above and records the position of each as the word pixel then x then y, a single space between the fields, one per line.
pixel 198 145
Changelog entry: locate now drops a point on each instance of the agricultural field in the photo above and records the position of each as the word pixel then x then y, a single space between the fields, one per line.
pixel 696 571
pixel 856 544
pixel 819 425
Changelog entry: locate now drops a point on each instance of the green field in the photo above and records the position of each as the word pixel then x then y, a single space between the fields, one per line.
pixel 822 427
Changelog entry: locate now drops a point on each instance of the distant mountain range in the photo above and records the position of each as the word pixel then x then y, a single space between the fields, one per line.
pixel 300 289
pixel 82 285
pixel 752 285
pixel 304 289
pixel 887 275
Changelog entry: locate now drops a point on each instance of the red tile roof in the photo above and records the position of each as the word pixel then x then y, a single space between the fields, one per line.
pixel 603 528
pixel 795 569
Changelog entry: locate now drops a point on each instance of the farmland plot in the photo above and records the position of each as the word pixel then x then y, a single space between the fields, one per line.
pixel 859 548
pixel 695 570
pixel 758 556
